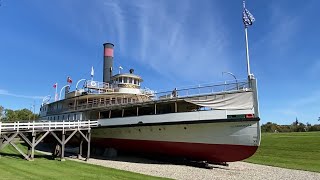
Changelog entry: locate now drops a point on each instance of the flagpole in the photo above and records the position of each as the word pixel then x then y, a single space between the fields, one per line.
pixel 92 73
pixel 247 45
pixel 56 94
pixel 247 51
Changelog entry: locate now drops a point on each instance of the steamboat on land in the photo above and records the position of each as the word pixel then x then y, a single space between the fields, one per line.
pixel 212 122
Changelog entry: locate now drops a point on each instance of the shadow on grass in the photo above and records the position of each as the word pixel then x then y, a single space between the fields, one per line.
pixel 19 156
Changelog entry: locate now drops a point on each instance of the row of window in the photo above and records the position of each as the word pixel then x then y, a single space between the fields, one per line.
pixel 67 117
pixel 128 80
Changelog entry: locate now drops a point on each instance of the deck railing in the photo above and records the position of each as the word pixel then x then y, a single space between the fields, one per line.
pixel 40 126
pixel 204 89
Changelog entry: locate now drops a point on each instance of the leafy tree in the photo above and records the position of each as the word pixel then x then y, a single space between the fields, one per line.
pixel 19 115
pixel 10 115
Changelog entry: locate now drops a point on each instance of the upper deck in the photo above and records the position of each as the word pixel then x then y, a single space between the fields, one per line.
pixel 201 95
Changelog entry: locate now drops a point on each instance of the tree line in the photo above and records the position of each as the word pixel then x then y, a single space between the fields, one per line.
pixel 9 115
pixel 296 126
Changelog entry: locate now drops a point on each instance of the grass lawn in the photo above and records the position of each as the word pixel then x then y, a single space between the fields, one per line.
pixel 12 166
pixel 289 150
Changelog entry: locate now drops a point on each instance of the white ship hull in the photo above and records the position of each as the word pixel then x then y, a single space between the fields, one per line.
pixel 215 140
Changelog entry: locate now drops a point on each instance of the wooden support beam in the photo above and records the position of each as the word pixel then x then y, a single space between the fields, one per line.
pixel 54 135
pixel 25 139
pixel 80 148
pixel 7 140
pixel 75 103
pixel 89 139
pixel 175 106
pixel 85 137
pixel 137 111
pixel 20 151
pixel 34 135
pixel 1 140
pixel 41 138
pixel 70 136
pixel 63 146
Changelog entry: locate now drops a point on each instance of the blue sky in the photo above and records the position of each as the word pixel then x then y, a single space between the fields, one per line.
pixel 169 43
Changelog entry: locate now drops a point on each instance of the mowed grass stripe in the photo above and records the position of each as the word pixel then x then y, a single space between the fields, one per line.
pixel 12 166
pixel 289 150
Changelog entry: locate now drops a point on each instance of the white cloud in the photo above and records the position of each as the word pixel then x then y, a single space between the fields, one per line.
pixel 174 38
pixel 174 48
pixel 7 93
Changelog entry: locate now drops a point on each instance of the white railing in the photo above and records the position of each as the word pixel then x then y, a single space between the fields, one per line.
pixel 97 85
pixel 44 126
pixel 204 89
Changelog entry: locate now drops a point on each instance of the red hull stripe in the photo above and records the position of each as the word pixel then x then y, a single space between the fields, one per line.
pixel 195 151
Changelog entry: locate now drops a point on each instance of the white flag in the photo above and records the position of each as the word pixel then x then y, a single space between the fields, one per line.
pixel 92 71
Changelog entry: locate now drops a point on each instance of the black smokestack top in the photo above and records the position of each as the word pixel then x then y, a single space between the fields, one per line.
pixel 107 62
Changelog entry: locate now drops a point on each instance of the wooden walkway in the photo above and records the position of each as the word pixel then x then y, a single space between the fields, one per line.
pixel 32 133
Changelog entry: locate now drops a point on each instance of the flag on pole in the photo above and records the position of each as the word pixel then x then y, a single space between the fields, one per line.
pixel 55 86
pixel 69 80
pixel 247 17
pixel 92 71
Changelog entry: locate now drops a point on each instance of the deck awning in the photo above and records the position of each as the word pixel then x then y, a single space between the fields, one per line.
pixel 228 101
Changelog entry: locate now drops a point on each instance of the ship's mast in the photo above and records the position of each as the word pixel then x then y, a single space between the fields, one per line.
pixel 248 19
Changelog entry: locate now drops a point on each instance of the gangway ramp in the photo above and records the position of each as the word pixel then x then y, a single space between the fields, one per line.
pixel 32 133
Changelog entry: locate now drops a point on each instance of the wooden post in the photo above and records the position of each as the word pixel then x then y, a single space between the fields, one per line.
pixel 87 102
pixel 99 115
pixel 80 147
pixel 75 103
pixel 122 112
pixel 137 111
pixel 109 113
pixel 175 106
pixel 89 139
pixel 33 145
pixel 62 146
pixel 155 108
pixel 1 139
